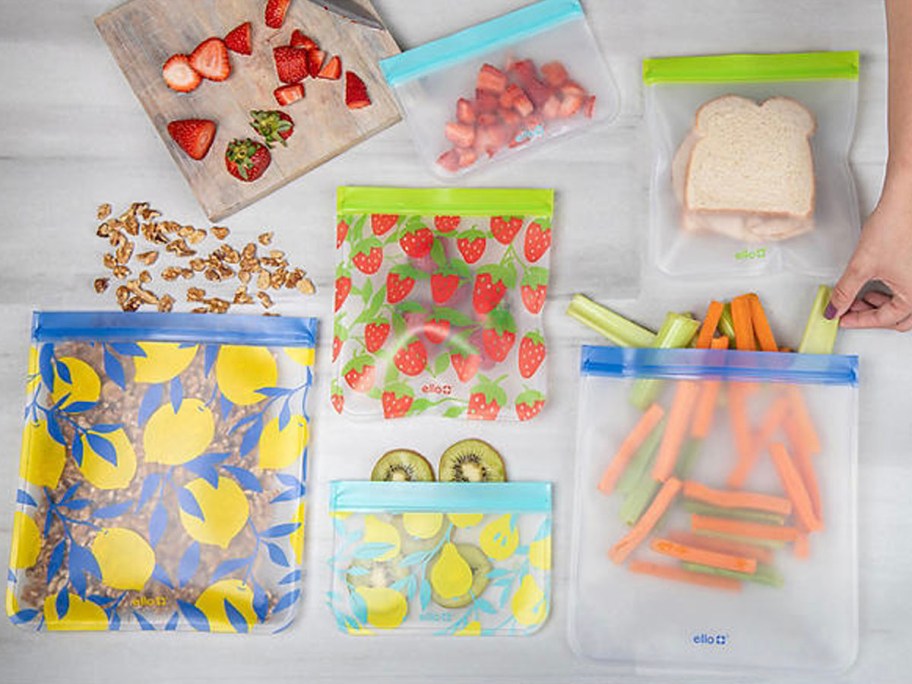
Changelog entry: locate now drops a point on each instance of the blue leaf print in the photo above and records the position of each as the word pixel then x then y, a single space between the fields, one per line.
pixel 189 563
pixel 189 504
pixel 177 394
pixel 277 555
pixel 83 561
pixel 10 576
pixel 114 369
pixel 62 604
pixel 211 354
pixel 544 530
pixel 114 624
pixel 372 550
pixel 57 435
pixel 151 483
pixel 56 560
pixel 497 572
pixel 357 571
pixel 23 616
pixel 100 600
pixel 414 558
pixel 144 624
pixel 106 428
pixel 245 478
pixel 225 406
pixel 287 495
pixel 288 480
pixel 284 416
pixel 400 585
pixel 159 574
pixel 102 447
pixel 77 446
pixel 69 493
pixel 291 577
pixel 412 586
pixel 238 621
pixel 24 498
pixel 128 349
pixel 260 602
pixel 113 511
pixel 157 523
pixel 252 436
pixel 171 625
pixel 282 530
pixel 151 400
pixel 44 366
pixel 209 474
pixel 425 594
pixel 242 422
pixel 76 504
pixel 226 567
pixel 273 391
pixel 288 600
pixel 207 460
pixel 79 406
pixel 63 372
pixel 194 616
pixel 485 606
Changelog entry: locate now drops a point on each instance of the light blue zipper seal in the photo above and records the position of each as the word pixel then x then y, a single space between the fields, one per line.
pixel 361 496
pixel 479 39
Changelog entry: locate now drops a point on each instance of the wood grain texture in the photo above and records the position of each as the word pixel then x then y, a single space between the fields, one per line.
pixel 143 34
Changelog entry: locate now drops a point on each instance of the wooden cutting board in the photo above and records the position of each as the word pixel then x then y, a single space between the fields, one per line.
pixel 142 34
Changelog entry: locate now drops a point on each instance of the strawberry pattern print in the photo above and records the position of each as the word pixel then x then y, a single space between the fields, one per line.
pixel 438 310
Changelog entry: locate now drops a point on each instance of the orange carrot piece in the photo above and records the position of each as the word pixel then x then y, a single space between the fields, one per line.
pixel 676 574
pixel 740 528
pixel 741 319
pixel 737 498
pixel 741 429
pixel 720 343
pixel 762 330
pixel 794 487
pixel 805 465
pixel 802 547
pixel 676 429
pixel 667 494
pixel 710 323
pixel 692 554
pixel 705 409
pixel 803 421
pixel 772 421
pixel 629 446
pixel 736 548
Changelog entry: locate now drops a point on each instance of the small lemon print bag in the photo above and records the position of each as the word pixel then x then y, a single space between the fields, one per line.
pixel 162 473
pixel 452 559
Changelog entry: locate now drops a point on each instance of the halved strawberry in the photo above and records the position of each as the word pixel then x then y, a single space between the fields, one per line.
pixel 332 70
pixel 491 79
pixel 555 74
pixel 247 159
pixel 210 60
pixel 465 112
pixel 275 13
pixel 289 94
pixel 273 126
pixel 356 96
pixel 240 39
pixel 299 40
pixel 290 63
pixel 179 75
pixel 315 59
pixel 461 135
pixel 193 136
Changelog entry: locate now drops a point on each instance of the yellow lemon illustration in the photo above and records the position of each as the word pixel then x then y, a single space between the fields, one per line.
pixel 463 520
pixel 12 605
pixel 499 538
pixel 296 538
pixel 163 361
pixel 84 384
pixel 528 603
pixel 280 448
pixel 80 616
pixel 34 376
pixel 212 603
pixel 42 459
pixel 471 629
pixel 26 542
pixel 540 553
pixel 125 558
pixel 104 474
pixel 450 575
pixel 422 525
pixel 175 438
pixel 225 511
pixel 379 532
pixel 386 608
pixel 302 355
pixel 241 371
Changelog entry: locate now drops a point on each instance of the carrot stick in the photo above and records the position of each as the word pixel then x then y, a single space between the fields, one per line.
pixel 794 487
pixel 706 408
pixel 629 446
pixel 741 429
pixel 676 574
pixel 802 547
pixel 765 574
pixel 735 548
pixel 676 430
pixel 761 325
pixel 748 514
pixel 720 343
pixel 803 421
pixel 805 465
pixel 741 319
pixel 691 554
pixel 710 323
pixel 739 528
pixel 619 552
pixel 737 499
pixel 771 422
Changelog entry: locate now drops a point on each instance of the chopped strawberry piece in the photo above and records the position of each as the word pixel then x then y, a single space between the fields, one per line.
pixel 465 113
pixel 275 13
pixel 449 160
pixel 573 89
pixel 492 79
pixel 570 106
pixel 589 109
pixel 240 39
pixel 523 71
pixel 538 92
pixel 551 109
pixel 523 104
pixel 315 62
pixel 193 136
pixel 486 102
pixel 510 117
pixel 467 157
pixel 299 40
pixel 555 74
pixel 356 95
pixel 510 95
pixel 461 135
pixel 492 138
pixel 289 94
pixel 487 119
pixel 291 63
pixel 179 75
pixel 332 70
pixel 210 60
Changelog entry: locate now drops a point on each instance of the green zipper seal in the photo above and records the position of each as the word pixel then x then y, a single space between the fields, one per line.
pixel 797 66
pixel 445 201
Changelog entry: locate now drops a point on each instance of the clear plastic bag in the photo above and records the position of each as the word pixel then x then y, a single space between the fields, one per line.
pixel 162 473
pixel 750 163
pixel 477 96
pixel 438 305
pixel 716 530
pixel 442 558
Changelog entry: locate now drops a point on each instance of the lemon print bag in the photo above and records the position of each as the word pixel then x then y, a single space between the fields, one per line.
pixel 162 473
pixel 442 558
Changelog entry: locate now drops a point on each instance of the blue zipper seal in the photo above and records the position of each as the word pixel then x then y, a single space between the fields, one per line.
pixel 107 326
pixel 479 39
pixel 717 364
pixel 360 496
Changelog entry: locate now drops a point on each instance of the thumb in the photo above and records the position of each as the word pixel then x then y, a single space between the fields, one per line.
pixel 856 275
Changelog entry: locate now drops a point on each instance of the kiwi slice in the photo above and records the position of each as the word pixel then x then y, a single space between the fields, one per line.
pixel 480 565
pixel 471 460
pixel 375 574
pixel 402 465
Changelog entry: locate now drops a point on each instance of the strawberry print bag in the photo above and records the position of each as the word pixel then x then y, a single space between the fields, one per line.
pixel 438 302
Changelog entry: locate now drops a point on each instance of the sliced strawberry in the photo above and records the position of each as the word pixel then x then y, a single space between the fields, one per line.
pixel 273 126
pixel 486 103
pixel 555 74
pixel 523 71
pixel 511 119
pixel 332 70
pixel 461 135
pixel 449 160
pixel 465 157
pixel 210 60
pixel 492 138
pixel 491 79
pixel 240 39
pixel 290 63
pixel 538 92
pixel 589 107
pixel 465 112
pixel 356 95
pixel 247 159
pixel 299 40
pixel 551 108
pixel 275 13
pixel 569 106
pixel 315 59
pixel 193 136
pixel 573 89
pixel 289 94
pixel 510 96
pixel 179 75
pixel 523 105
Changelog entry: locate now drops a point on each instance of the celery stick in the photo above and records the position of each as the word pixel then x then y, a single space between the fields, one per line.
pixel 765 574
pixel 639 499
pixel 767 543
pixel 736 513
pixel 819 333
pixel 726 324
pixel 642 460
pixel 676 332
pixel 690 452
pixel 616 328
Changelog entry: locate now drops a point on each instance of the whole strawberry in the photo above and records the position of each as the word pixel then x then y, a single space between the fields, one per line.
pixel 465 364
pixel 397 400
pixel 375 334
pixel 247 159
pixel 505 228
pixel 367 256
pixel 340 334
pixel 538 240
pixel 343 287
pixel 471 244
pixel 273 126
pixel 491 285
pixel 341 233
pixel 411 359
pixel 486 399
pixel 443 286
pixel 534 289
pixel 400 281
pixel 446 224
pixel 337 398
pixel 381 224
pixel 360 373
pixel 416 241
pixel 529 404
pixel 531 354
pixel 499 334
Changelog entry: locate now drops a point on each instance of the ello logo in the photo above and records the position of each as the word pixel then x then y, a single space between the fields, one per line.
pixel 705 639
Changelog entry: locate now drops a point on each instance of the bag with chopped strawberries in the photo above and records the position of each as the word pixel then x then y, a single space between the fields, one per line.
pixel 485 92
pixel 438 305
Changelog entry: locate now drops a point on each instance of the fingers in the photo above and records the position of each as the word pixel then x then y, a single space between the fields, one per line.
pixel 885 312
pixel 844 292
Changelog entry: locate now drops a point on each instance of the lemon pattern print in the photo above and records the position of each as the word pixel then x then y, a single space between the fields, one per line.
pixel 162 484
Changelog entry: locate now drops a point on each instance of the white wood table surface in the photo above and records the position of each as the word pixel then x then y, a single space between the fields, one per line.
pixel 73 135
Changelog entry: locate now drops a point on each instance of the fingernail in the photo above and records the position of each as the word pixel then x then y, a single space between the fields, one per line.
pixel 830 312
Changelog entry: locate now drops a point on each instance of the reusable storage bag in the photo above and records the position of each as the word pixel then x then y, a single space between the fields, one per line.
pixel 443 558
pixel 731 134
pixel 438 303
pixel 162 473
pixel 481 94
pixel 716 529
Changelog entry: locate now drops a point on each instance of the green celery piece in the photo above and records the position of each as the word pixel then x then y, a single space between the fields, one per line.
pixel 726 323
pixel 642 460
pixel 766 543
pixel 765 574
pixel 613 326
pixel 819 333
pixel 676 333
pixel 702 508
pixel 690 452
pixel 639 499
